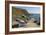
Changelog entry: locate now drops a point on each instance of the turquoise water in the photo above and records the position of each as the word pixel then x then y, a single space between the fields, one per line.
pixel 36 16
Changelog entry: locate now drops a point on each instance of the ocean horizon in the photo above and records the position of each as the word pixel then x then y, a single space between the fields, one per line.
pixel 35 16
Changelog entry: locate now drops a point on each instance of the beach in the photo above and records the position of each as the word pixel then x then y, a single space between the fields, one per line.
pixel 31 24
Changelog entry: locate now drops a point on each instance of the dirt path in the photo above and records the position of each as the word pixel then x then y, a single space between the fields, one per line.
pixel 31 24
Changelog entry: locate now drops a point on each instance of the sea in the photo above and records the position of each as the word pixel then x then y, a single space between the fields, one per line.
pixel 35 16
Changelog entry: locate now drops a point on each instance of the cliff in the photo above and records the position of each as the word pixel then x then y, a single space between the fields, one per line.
pixel 18 11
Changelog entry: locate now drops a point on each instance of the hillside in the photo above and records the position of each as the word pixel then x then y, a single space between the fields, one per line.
pixel 18 11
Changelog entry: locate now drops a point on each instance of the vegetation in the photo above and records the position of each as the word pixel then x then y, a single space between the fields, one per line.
pixel 20 13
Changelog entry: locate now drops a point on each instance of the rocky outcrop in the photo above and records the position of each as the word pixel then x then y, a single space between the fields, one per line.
pixel 18 11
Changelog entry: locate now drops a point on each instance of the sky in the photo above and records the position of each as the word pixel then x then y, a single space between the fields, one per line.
pixel 35 10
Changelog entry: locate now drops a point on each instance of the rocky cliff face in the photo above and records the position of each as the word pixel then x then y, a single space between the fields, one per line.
pixel 18 11
pixel 19 17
